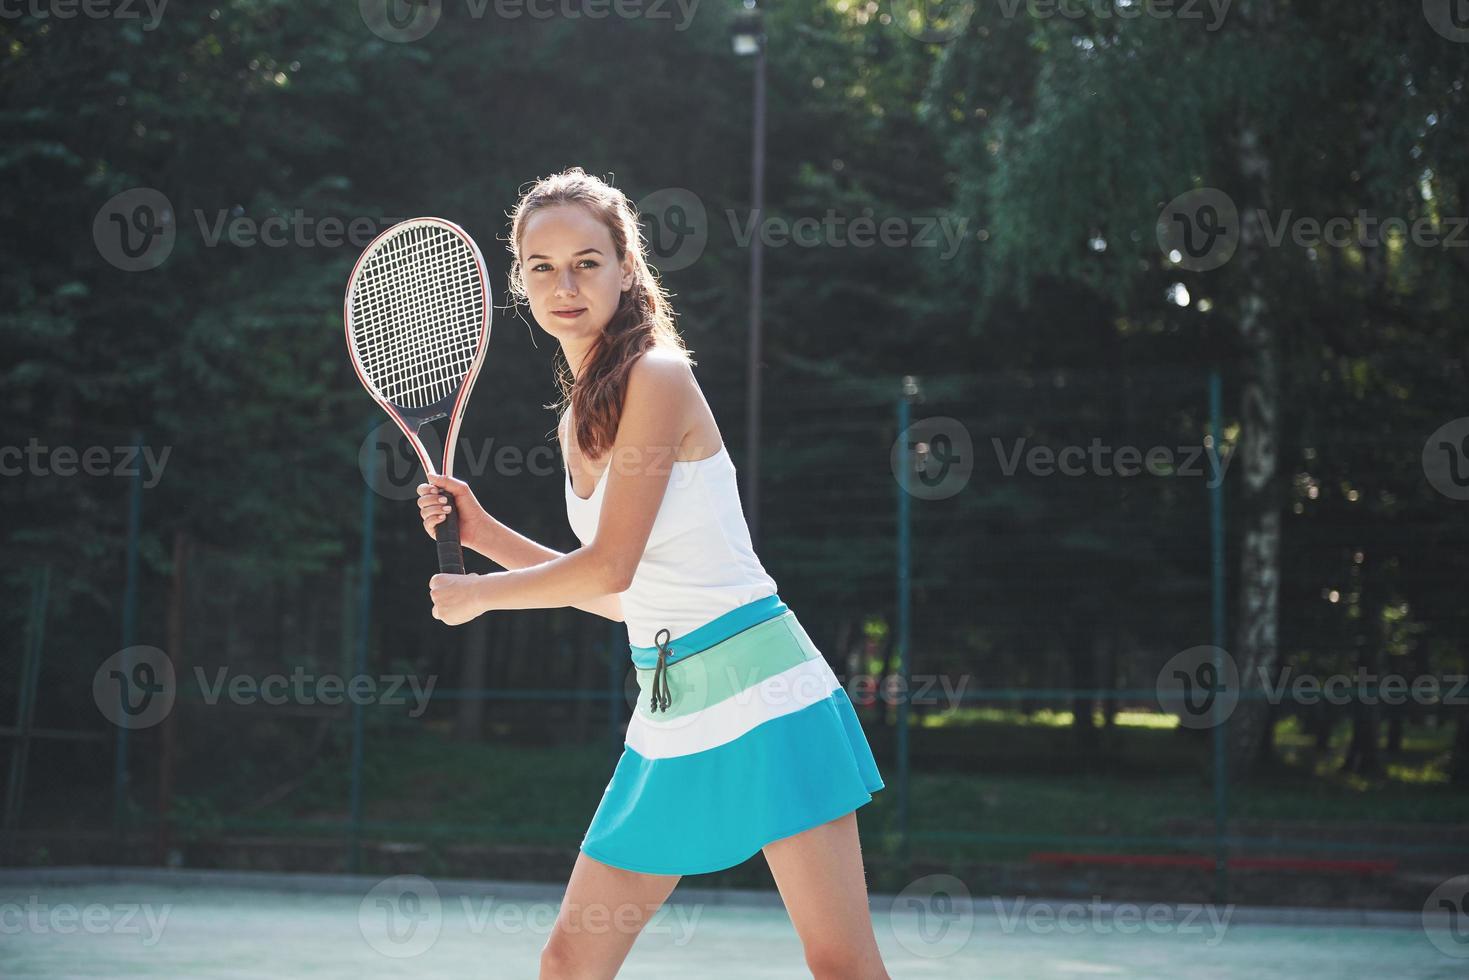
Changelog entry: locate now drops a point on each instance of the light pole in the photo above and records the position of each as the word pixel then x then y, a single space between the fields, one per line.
pixel 747 35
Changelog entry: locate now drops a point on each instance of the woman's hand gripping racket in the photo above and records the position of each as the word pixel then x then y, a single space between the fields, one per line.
pixel 418 322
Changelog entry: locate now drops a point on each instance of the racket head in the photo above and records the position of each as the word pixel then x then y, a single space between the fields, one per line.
pixel 417 314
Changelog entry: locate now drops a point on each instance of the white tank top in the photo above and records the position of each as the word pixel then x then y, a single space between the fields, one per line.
pixel 699 562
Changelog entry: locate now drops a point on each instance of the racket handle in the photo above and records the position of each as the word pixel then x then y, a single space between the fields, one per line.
pixel 451 555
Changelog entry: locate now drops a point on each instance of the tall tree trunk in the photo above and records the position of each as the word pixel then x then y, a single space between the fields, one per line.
pixel 1081 651
pixel 1459 767
pixel 1395 730
pixel 1323 720
pixel 1257 647
pixel 845 649
pixel 1266 752
pixel 1363 756
pixel 1112 644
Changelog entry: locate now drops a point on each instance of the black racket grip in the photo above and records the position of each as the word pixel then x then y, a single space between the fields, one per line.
pixel 451 555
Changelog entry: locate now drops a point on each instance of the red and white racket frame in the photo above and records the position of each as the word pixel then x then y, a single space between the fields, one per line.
pixel 411 420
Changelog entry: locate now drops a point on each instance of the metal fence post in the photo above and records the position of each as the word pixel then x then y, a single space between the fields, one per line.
pixel 910 389
pixel 129 638
pixel 364 622
pixel 25 712
pixel 1221 742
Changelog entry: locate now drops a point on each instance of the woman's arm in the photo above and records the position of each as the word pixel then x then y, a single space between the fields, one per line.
pixel 649 432
pixel 512 550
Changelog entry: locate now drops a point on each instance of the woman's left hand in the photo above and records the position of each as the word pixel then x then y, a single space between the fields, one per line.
pixel 458 598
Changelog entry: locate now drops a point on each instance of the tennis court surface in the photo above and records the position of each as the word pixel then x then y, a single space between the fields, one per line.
pixel 119 923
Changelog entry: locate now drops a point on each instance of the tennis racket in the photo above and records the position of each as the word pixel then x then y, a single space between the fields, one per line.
pixel 418 321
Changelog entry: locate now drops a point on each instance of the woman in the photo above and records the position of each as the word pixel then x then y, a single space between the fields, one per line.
pixel 742 740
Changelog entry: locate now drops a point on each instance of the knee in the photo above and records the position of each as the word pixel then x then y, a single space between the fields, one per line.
pixel 557 962
pixel 838 962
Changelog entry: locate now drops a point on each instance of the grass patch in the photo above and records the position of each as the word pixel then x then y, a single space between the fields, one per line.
pixel 1019 783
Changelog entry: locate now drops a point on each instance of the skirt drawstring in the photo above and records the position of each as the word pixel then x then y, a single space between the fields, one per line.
pixel 661 700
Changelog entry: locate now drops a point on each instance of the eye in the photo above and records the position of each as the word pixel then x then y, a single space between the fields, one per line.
pixel 591 263
pixel 538 267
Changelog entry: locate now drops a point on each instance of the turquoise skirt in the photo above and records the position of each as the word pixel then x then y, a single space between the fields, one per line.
pixel 741 736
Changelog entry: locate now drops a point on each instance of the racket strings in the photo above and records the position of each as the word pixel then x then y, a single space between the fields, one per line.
pixel 417 315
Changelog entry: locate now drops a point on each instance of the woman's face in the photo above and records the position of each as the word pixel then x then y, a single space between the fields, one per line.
pixel 573 278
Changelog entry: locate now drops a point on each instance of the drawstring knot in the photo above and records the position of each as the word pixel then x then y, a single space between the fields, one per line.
pixel 661 699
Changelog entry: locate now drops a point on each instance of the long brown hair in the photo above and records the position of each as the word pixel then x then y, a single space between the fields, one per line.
pixel 643 319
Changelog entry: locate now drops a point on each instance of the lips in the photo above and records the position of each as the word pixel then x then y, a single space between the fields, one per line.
pixel 571 313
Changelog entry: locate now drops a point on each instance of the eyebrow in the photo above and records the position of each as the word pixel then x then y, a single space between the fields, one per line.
pixel 582 252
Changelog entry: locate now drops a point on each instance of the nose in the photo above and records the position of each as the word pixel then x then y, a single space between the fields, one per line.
pixel 565 284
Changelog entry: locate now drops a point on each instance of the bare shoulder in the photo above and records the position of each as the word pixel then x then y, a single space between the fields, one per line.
pixel 663 400
pixel 661 374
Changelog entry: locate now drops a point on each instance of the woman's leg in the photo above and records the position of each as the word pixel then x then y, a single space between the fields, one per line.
pixel 602 913
pixel 821 879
